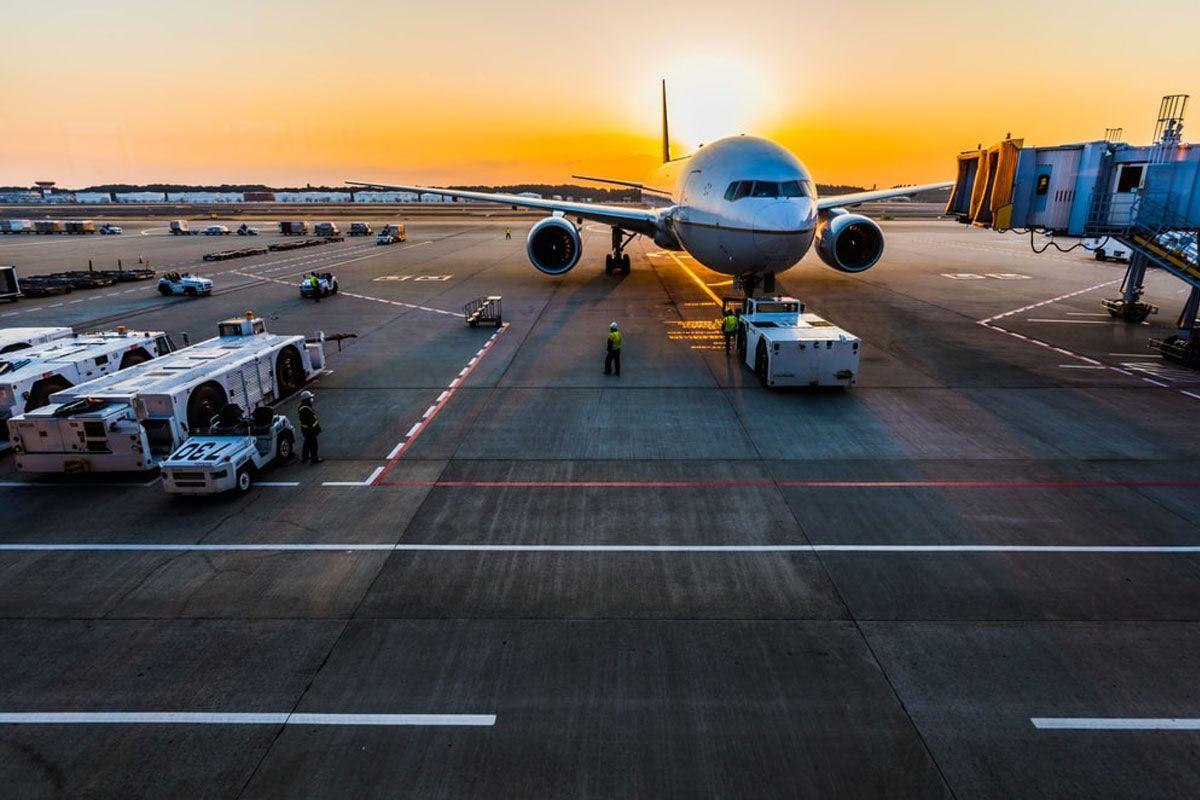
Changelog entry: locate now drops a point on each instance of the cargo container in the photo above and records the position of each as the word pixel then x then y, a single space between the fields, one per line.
pixel 326 229
pixel 48 226
pixel 294 228
pixel 132 420
pixel 79 226
pixel 10 286
pixel 16 226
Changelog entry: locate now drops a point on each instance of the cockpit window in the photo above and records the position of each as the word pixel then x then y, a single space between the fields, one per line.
pixel 739 189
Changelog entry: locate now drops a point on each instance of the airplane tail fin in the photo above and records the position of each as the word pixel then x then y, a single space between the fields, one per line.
pixel 666 136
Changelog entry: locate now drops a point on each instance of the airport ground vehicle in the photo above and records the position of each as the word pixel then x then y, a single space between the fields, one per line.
pixel 294 228
pixel 216 230
pixel 360 229
pixel 390 234
pixel 133 419
pixel 10 285
pixel 48 226
pixel 326 285
pixel 179 227
pixel 326 229
pixel 1106 248
pixel 173 283
pixel 29 376
pixel 231 453
pixel 787 347
pixel 246 230
pixel 111 230
pixel 16 226
pixel 13 339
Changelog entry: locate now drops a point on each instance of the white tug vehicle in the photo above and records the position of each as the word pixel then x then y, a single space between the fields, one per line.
pixel 130 421
pixel 787 347
pixel 185 283
pixel 231 454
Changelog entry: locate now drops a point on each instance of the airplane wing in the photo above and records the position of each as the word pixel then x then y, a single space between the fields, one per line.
pixel 640 220
pixel 881 194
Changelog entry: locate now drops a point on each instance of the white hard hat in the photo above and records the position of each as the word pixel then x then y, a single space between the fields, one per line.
pixel 612 327
pixel 306 395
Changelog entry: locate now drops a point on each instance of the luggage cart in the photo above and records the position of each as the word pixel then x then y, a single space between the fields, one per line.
pixel 485 310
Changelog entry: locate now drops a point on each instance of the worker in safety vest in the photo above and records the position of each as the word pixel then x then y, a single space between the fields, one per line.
pixel 729 327
pixel 310 428
pixel 612 358
pixel 508 233
pixel 315 283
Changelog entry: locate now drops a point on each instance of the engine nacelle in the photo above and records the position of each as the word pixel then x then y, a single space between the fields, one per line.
pixel 554 246
pixel 849 242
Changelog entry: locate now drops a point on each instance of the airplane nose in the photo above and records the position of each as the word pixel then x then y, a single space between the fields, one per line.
pixel 777 233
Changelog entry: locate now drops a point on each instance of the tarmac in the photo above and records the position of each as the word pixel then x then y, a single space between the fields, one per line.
pixel 976 574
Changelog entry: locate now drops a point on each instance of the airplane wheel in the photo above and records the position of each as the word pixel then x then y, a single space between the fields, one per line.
pixel 625 263
pixel 608 264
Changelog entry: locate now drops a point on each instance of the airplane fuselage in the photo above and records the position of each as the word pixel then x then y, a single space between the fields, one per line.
pixel 742 206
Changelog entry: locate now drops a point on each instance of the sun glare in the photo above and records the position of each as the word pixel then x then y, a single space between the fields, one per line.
pixel 712 96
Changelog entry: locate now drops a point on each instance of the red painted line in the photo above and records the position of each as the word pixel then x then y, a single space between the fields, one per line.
pixel 791 484
pixel 432 412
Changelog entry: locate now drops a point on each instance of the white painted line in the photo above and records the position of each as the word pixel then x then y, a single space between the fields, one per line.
pixel 396 450
pixel 454 383
pixel 1190 394
pixel 1116 723
pixel 1088 314
pixel 416 427
pixel 428 411
pixel 601 548
pixel 1074 321
pixel 1082 366
pixel 343 483
pixel 442 396
pixel 231 718
pixel 277 483
pixel 374 474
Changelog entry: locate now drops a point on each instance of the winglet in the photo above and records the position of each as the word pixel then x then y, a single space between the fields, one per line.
pixel 666 136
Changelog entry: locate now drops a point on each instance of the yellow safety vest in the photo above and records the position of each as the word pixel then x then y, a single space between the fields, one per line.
pixel 729 324
pixel 614 340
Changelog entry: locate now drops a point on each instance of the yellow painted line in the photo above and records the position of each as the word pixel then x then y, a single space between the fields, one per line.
pixel 696 278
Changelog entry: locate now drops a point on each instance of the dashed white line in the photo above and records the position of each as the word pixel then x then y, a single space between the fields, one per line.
pixel 239 718
pixel 1116 723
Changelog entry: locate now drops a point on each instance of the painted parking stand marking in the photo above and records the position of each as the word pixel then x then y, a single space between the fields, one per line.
pixel 401 547
pixel 1116 723
pixel 238 718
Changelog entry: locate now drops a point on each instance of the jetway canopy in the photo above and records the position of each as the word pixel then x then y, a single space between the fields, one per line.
pixel 1076 189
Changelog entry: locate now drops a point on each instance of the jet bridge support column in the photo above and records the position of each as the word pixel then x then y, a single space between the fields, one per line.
pixel 1129 305
pixel 1184 346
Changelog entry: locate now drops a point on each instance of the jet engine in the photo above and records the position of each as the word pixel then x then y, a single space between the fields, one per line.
pixel 849 242
pixel 554 246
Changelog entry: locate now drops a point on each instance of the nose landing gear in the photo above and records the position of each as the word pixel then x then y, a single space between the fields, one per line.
pixel 748 283
pixel 618 259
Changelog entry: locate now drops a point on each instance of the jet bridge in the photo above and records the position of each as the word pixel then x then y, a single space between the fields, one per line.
pixel 1146 197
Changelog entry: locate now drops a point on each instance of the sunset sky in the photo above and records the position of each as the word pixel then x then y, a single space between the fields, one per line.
pixel 458 91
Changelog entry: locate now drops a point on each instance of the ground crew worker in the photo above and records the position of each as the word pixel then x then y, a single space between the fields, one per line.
pixel 729 327
pixel 612 358
pixel 508 233
pixel 315 283
pixel 310 428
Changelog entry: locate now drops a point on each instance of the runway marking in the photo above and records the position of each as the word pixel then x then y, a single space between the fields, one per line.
pixel 430 413
pixel 814 484
pixel 328 547
pixel 695 278
pixel 1116 723
pixel 277 483
pixel 237 718
pixel 1075 321
pixel 1082 366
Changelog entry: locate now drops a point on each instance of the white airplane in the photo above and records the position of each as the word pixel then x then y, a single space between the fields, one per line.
pixel 741 206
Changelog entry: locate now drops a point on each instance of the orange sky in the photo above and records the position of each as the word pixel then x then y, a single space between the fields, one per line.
pixel 460 91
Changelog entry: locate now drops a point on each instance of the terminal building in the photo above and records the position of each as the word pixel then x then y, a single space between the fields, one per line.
pixel 1146 197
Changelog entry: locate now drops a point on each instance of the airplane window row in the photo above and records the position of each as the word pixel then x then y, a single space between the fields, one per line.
pixel 739 189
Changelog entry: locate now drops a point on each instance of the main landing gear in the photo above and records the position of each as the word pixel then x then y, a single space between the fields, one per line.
pixel 748 283
pixel 618 259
